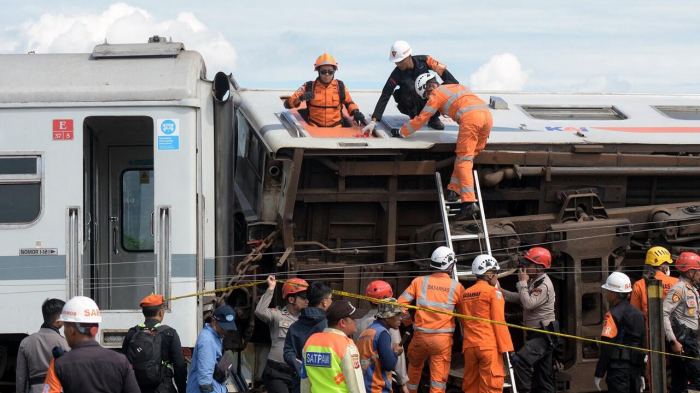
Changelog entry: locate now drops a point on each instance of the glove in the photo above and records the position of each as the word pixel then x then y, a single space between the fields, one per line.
pixel 513 359
pixel 597 383
pixel 641 384
pixel 308 96
pixel 369 128
pixel 358 116
pixel 397 133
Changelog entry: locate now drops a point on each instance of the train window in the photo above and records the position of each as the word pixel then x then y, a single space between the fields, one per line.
pixel 680 112
pixel 573 112
pixel 20 189
pixel 137 206
pixel 243 132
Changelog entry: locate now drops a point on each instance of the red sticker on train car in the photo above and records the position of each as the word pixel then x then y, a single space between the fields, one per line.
pixel 62 129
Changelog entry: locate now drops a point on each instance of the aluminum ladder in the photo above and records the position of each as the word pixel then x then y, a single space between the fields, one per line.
pixel 449 209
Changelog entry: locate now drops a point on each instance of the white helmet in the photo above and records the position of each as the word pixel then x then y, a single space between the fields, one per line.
pixel 618 282
pixel 80 309
pixel 421 81
pixel 442 258
pixel 399 51
pixel 484 263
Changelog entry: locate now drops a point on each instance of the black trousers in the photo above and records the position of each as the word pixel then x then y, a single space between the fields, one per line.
pixel 623 380
pixel 277 377
pixel 534 370
pixel 409 102
pixel 685 373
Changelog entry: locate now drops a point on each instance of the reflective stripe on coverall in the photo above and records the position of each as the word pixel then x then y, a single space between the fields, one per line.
pixel 331 364
pixel 325 110
pixel 475 122
pixel 433 331
pixel 484 343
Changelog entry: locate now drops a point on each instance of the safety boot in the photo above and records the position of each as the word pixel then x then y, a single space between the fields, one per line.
pixel 451 196
pixel 435 123
pixel 467 210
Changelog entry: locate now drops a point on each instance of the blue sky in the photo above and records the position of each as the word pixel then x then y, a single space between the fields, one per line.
pixel 618 46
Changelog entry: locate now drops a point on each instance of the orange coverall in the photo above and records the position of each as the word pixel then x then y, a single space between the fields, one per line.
pixel 484 343
pixel 475 122
pixel 325 110
pixel 432 331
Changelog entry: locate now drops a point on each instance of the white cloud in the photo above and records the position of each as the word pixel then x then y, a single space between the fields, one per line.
pixel 604 84
pixel 502 72
pixel 121 23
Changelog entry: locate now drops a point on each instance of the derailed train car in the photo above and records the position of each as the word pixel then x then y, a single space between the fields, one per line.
pixel 117 180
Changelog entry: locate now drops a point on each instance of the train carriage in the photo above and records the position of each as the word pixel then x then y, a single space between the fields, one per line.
pixel 125 172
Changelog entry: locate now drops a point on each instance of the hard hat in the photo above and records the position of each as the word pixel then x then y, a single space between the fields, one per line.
pixel 688 261
pixel 379 290
pixel 421 81
pixel 292 287
pixel 658 255
pixel 540 256
pixel 325 59
pixel 80 309
pixel 442 258
pixel 484 263
pixel 618 282
pixel 399 51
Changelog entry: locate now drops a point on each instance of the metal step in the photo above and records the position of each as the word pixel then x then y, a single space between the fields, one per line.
pixel 467 237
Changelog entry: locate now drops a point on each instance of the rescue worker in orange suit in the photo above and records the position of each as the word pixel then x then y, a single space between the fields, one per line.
pixel 535 292
pixel 325 97
pixel 378 355
pixel 485 343
pixel 475 121
pixel 379 289
pixel 277 374
pixel 432 331
pixel 331 360
pixel 88 367
pixel 623 324
pixel 408 68
pixel 681 324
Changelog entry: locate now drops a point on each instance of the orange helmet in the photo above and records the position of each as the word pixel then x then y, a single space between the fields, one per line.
pixel 539 256
pixel 292 287
pixel 325 59
pixel 688 261
pixel 379 290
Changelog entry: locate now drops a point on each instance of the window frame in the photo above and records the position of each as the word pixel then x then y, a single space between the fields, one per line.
pixel 121 210
pixel 36 178
pixel 616 111
pixel 678 108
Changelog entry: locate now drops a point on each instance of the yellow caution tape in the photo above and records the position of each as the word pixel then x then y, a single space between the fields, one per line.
pixel 452 314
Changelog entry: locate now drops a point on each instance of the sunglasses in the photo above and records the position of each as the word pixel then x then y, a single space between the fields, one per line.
pixel 326 72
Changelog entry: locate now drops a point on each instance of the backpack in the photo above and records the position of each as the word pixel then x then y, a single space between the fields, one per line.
pixel 145 354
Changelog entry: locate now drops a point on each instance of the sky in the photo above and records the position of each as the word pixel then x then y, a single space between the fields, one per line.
pixel 537 45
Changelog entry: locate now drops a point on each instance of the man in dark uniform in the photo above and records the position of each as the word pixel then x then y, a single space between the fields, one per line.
pixel 88 367
pixel 624 324
pixel 173 361
pixel 408 68
pixel 681 324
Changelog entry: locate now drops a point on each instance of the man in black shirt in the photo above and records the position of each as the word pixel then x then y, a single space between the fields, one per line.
pixel 173 361
pixel 408 68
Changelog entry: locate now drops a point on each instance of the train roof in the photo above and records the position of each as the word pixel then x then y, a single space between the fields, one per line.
pixel 530 118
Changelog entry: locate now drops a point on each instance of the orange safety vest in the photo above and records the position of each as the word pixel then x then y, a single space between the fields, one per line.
pixel 639 291
pixel 325 109
pixel 377 380
pixel 450 100
pixel 484 301
pixel 438 291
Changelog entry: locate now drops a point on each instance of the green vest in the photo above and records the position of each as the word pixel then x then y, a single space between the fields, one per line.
pixel 322 356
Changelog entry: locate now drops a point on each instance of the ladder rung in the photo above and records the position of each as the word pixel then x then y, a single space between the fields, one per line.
pixel 452 202
pixel 466 237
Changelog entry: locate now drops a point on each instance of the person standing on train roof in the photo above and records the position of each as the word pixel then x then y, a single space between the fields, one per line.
pixel 408 68
pixel 484 343
pixel 681 324
pixel 382 290
pixel 623 367
pixel 325 97
pixel 277 374
pixel 378 355
pixel 475 121
pixel 432 331
pixel 535 292
pixel 35 351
